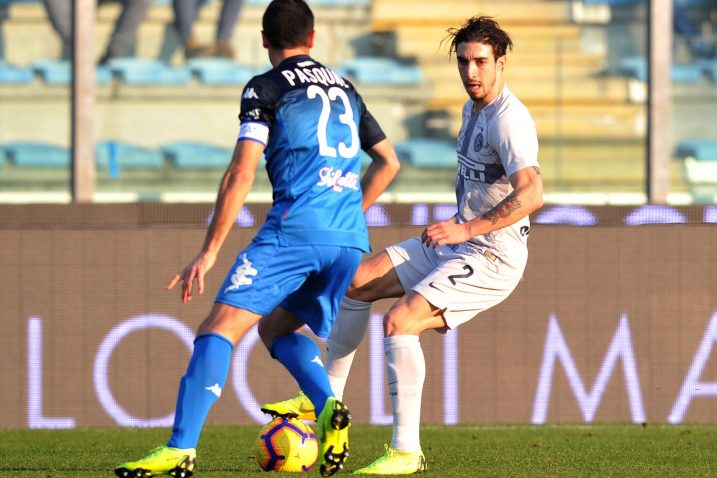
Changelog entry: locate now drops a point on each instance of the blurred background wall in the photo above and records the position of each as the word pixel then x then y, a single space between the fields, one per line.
pixel 166 114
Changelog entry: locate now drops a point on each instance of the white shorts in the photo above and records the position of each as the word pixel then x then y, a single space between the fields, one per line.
pixel 462 284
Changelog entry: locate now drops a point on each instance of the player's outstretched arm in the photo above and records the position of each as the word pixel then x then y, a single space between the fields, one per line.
pixel 383 168
pixel 233 189
pixel 527 196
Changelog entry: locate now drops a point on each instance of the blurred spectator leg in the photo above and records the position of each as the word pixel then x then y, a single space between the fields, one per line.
pixel 185 14
pixel 124 36
pixel 686 27
pixel 59 12
pixel 228 19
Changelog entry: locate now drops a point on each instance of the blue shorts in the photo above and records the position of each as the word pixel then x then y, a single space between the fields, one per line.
pixel 308 281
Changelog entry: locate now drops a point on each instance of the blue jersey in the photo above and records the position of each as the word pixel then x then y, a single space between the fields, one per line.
pixel 314 125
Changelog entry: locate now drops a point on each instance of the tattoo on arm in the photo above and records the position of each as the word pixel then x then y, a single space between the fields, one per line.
pixel 503 209
pixel 537 170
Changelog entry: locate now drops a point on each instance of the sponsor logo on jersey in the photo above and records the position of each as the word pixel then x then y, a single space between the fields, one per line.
pixel 242 275
pixel 249 94
pixel 335 179
pixel 477 171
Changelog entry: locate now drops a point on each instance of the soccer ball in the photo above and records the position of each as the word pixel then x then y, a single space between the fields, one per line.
pixel 286 444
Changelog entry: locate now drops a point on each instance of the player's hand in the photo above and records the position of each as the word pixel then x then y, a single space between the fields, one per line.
pixel 445 232
pixel 195 271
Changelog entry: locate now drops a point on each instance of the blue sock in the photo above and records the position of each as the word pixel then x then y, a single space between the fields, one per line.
pixel 200 388
pixel 302 358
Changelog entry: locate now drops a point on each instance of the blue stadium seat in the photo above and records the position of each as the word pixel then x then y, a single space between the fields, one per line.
pixel 32 154
pixel 698 148
pixel 691 73
pixel 11 74
pixel 197 155
pixel 220 71
pixel 699 160
pixel 169 2
pixel 697 3
pixel 428 153
pixel 636 67
pixel 709 67
pixel 339 3
pixel 135 71
pixel 614 3
pixel 59 72
pixel 319 3
pixel 379 70
pixel 116 155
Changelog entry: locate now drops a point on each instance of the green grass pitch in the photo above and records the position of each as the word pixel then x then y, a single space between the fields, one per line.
pixel 465 451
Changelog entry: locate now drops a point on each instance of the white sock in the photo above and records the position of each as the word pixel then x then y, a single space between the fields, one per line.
pixel 346 334
pixel 406 371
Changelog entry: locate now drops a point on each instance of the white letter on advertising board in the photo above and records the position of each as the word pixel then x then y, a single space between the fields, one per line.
pixel 557 349
pixel 102 387
pixel 35 418
pixel 692 387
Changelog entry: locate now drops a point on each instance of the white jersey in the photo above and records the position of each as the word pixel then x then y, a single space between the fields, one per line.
pixel 492 145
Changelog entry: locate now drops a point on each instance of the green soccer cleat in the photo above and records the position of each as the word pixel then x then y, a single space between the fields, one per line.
pixel 296 407
pixel 395 462
pixel 333 423
pixel 163 460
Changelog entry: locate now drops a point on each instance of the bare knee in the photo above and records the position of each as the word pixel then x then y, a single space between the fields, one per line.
pixel 394 324
pixel 411 315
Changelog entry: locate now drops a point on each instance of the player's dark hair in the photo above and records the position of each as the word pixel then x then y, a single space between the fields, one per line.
pixel 287 23
pixel 480 29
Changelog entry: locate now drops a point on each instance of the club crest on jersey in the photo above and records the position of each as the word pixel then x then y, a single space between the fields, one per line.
pixel 478 142
pixel 336 180
pixel 474 174
pixel 241 275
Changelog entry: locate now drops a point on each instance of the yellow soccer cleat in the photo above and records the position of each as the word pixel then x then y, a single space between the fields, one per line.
pixel 333 423
pixel 395 462
pixel 163 460
pixel 295 407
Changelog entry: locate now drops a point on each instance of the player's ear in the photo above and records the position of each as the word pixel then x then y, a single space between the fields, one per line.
pixel 500 62
pixel 311 39
pixel 264 40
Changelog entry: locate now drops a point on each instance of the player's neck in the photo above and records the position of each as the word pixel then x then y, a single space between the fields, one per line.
pixel 276 56
pixel 488 99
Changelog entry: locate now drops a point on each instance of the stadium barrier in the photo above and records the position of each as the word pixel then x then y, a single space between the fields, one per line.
pixel 615 321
